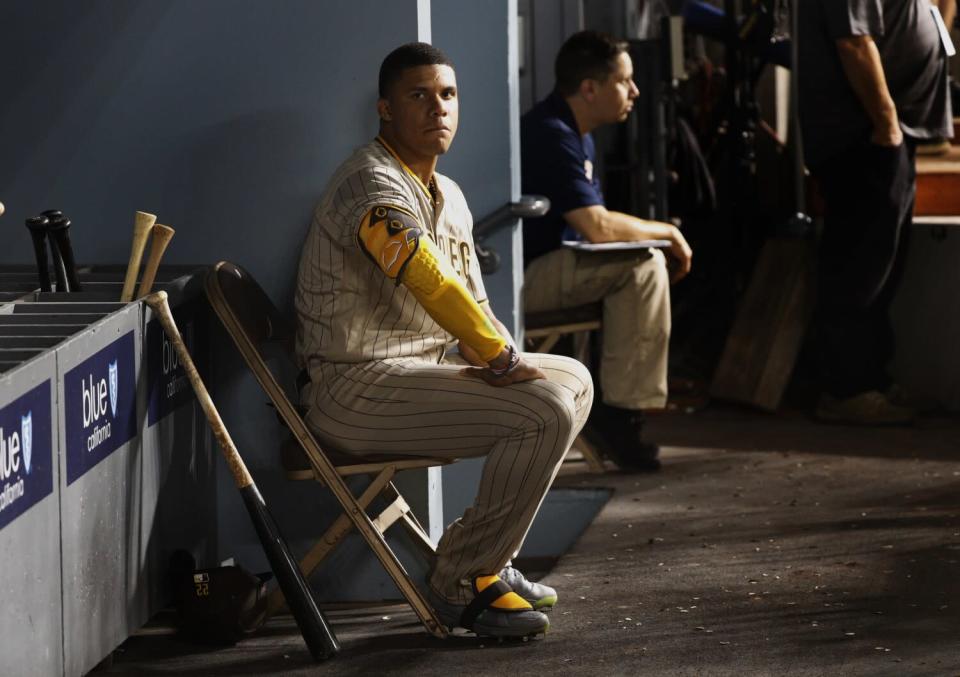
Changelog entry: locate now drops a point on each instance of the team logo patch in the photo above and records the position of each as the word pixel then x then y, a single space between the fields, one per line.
pixel 112 372
pixel 390 237
pixel 26 439
pixel 402 242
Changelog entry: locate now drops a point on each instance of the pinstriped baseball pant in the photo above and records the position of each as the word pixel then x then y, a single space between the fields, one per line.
pixel 419 407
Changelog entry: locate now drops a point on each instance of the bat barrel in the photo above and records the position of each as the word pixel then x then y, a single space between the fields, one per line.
pixel 142 224
pixel 59 267
pixel 60 234
pixel 160 236
pixel 38 233
pixel 316 632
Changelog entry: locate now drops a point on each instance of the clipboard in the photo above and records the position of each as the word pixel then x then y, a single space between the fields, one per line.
pixel 579 245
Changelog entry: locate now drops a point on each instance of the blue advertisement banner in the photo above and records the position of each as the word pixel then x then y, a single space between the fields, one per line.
pixel 26 453
pixel 168 386
pixel 100 406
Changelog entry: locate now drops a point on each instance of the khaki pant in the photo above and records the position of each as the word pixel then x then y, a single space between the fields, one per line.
pixel 635 290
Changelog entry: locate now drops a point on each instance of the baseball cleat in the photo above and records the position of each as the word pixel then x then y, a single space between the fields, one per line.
pixel 871 408
pixel 541 597
pixel 495 611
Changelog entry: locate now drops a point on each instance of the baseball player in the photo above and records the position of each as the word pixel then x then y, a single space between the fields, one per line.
pixel 388 283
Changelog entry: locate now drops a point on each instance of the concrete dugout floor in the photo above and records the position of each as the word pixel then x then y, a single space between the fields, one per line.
pixel 766 546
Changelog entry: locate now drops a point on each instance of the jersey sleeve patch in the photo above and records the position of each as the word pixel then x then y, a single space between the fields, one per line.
pixel 390 237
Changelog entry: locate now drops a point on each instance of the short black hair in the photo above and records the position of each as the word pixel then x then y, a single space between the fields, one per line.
pixel 586 55
pixel 406 56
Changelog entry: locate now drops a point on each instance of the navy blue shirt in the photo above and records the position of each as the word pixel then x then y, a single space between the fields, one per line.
pixel 556 161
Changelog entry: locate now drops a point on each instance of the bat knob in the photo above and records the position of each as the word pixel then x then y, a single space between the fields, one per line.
pixel 38 223
pixel 59 223
pixel 52 213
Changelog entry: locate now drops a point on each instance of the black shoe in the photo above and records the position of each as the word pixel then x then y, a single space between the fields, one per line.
pixel 618 435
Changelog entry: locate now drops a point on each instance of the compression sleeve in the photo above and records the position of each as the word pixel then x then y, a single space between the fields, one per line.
pixel 394 241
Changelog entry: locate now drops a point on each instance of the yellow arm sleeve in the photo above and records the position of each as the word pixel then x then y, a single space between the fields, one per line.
pixel 392 238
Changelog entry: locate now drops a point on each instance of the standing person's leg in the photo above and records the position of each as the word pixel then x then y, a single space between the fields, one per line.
pixel 864 210
pixel 635 290
pixel 427 409
pixel 904 187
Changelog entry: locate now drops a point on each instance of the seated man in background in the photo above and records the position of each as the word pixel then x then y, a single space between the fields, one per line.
pixel 388 283
pixel 594 86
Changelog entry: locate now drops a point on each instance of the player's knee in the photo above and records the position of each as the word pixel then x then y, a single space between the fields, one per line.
pixel 583 377
pixel 560 410
pixel 652 273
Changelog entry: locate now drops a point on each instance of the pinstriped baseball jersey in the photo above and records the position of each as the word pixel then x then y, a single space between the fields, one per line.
pixel 347 309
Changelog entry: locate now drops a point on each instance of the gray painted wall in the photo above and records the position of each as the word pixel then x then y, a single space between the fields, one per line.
pixel 547 23
pixel 479 35
pixel 224 117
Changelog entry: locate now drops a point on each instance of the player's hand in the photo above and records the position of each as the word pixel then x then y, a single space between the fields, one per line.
pixel 682 255
pixel 522 372
pixel 470 355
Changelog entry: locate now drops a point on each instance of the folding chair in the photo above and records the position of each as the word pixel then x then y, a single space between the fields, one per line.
pixel 549 326
pixel 253 321
pixel 543 330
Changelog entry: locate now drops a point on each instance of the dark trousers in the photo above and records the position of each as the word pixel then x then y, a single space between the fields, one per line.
pixel 868 195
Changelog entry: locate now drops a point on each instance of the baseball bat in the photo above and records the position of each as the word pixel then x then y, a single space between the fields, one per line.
pixel 142 223
pixel 60 238
pixel 314 628
pixel 38 233
pixel 59 267
pixel 159 239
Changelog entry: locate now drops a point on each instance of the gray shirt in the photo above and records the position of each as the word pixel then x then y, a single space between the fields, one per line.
pixel 914 63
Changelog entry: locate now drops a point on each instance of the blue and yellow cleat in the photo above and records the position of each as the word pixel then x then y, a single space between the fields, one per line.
pixel 495 611
pixel 541 597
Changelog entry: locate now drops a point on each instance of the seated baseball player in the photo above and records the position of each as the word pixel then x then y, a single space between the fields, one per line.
pixel 388 284
pixel 594 86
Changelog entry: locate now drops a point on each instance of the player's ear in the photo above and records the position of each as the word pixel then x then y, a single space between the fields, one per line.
pixel 588 89
pixel 383 110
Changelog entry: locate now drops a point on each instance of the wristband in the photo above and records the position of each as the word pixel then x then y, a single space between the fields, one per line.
pixel 512 363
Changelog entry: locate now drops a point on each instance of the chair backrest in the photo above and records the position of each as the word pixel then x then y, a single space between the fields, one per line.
pixel 232 290
pixel 254 323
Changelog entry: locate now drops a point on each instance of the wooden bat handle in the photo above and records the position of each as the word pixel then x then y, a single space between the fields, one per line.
pixel 160 238
pixel 142 223
pixel 241 476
